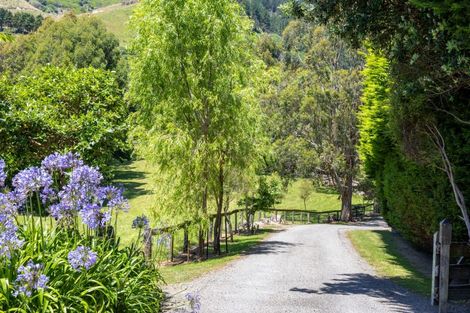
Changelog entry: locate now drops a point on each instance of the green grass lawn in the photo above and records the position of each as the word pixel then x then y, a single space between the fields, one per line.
pixel 321 199
pixel 379 249
pixel 116 20
pixel 189 271
pixel 135 178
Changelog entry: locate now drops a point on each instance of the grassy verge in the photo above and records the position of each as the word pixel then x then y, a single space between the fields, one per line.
pixel 379 249
pixel 189 271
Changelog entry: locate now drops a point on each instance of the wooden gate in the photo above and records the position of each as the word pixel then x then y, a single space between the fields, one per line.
pixel 451 268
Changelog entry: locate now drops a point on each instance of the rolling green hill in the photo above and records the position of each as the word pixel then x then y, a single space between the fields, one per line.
pixel 116 18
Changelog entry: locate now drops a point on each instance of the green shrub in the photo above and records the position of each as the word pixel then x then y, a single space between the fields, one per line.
pixel 61 109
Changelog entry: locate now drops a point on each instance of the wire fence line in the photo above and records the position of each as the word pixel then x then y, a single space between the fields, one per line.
pixel 177 237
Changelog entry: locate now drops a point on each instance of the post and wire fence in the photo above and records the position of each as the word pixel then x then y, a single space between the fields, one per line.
pixel 182 242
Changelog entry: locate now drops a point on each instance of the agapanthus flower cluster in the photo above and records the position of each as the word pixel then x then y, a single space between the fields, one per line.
pixel 94 216
pixel 9 240
pixel 61 162
pixel 112 197
pixel 30 279
pixel 194 302
pixel 83 196
pixel 30 180
pixel 82 258
pixel 3 174
pixel 140 222
pixel 8 203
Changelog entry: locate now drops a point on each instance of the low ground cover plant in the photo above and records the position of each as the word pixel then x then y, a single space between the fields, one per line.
pixel 58 251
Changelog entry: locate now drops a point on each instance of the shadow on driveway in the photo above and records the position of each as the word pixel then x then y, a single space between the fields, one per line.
pixel 386 291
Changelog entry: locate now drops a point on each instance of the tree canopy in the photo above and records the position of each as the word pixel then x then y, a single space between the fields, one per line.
pixel 70 41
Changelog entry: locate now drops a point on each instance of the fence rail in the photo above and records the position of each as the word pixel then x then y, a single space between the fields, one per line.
pixel 237 220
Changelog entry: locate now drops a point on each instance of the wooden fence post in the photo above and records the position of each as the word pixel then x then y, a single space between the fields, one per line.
pixel 236 222
pixel 445 238
pixel 435 270
pixel 148 244
pixel 189 250
pixel 226 236
pixel 207 245
pixel 172 244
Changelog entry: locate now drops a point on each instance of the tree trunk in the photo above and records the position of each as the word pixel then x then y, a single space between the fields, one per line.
pixel 220 204
pixel 201 231
pixel 185 240
pixel 346 201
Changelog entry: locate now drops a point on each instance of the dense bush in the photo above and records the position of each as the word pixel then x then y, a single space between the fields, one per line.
pixel 70 41
pixel 57 248
pixel 57 109
pixel 20 22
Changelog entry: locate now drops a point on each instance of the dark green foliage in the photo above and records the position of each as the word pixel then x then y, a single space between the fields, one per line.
pixel 268 194
pixel 19 23
pixel 266 15
pixel 58 109
pixel 426 43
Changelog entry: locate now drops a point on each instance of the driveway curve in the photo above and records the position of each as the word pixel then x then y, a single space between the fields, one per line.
pixel 307 268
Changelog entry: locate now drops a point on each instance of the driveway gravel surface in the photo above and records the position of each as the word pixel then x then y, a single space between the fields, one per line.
pixel 306 268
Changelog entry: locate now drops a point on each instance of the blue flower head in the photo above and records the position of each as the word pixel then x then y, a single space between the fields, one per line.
pixel 9 240
pixel 30 279
pixel 93 216
pixel 57 162
pixel 140 222
pixel 194 301
pixel 82 258
pixel 30 180
pixel 3 174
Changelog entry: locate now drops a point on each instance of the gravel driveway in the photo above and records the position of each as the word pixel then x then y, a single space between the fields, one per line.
pixel 308 268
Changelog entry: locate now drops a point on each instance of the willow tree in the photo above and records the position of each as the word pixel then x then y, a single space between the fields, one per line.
pixel 191 76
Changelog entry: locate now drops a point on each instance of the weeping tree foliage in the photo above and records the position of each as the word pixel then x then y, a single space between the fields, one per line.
pixel 191 77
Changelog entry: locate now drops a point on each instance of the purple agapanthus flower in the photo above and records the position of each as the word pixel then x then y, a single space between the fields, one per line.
pixel 9 240
pixel 62 212
pixel 82 258
pixel 140 222
pixel 194 302
pixel 8 203
pixel 3 174
pixel 61 162
pixel 93 216
pixel 30 180
pixel 112 197
pixel 86 177
pixel 30 279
